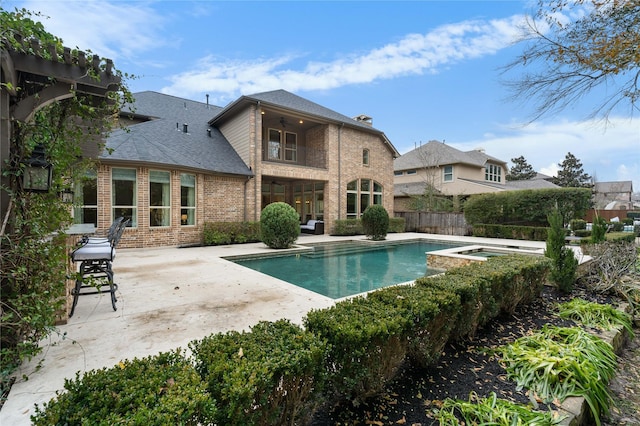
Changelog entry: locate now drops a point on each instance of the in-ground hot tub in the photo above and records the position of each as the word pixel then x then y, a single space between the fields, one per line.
pixel 461 256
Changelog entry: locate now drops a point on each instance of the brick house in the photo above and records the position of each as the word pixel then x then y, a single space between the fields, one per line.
pixel 451 172
pixel 180 164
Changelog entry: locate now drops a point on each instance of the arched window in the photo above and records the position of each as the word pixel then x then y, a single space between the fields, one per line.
pixel 361 193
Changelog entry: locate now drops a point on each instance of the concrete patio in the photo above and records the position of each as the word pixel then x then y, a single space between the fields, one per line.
pixel 168 297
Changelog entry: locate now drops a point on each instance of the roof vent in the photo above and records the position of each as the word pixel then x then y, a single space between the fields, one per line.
pixel 185 128
pixel 209 132
pixel 364 119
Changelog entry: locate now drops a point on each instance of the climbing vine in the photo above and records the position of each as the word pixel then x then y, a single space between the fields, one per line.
pixel 33 263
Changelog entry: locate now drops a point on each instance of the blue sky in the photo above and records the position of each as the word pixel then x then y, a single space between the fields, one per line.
pixel 424 70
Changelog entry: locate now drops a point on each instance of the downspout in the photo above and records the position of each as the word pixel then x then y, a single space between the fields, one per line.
pixel 256 197
pixel 340 172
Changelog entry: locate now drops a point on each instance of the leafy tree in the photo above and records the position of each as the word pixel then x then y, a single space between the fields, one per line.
pixel 571 174
pixel 572 48
pixel 521 170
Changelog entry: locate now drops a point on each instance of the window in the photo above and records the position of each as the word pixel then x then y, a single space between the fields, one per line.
pixel 360 195
pixel 398 173
pixel 447 173
pixel 187 199
pixel 124 195
pixel 159 198
pixel 365 157
pixel 275 142
pixel 275 146
pixel 86 199
pixel 411 172
pixel 493 173
pixel 291 147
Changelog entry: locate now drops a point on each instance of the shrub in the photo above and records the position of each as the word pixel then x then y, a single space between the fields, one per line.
pixel 347 227
pixel 598 230
pixel 487 288
pixel 367 346
pixel 565 264
pixel 397 224
pixel 161 389
pixel 269 375
pixel 533 233
pixel 218 233
pixel 578 224
pixel 431 315
pixel 583 233
pixel 375 222
pixel 279 225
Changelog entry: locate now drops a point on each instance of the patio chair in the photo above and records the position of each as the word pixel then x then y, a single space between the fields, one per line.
pixel 96 255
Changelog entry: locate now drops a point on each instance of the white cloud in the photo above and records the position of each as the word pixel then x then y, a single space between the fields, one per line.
pixel 112 30
pixel 414 54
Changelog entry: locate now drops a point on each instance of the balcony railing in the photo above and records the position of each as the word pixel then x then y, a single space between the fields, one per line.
pixel 303 156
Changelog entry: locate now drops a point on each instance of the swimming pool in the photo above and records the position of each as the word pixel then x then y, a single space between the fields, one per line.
pixel 339 270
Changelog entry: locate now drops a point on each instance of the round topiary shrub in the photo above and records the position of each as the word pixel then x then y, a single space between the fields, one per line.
pixel 375 222
pixel 279 225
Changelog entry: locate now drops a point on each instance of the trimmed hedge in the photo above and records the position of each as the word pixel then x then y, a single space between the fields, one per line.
pixel 429 312
pixel 160 389
pixel 397 224
pixel 367 346
pixel 222 233
pixel 527 207
pixel 266 376
pixel 354 226
pixel 488 288
pixel 347 227
pixel 514 232
pixel 279 373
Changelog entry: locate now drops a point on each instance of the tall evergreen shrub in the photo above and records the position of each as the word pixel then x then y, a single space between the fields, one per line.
pixel 563 271
pixel 598 230
pixel 375 222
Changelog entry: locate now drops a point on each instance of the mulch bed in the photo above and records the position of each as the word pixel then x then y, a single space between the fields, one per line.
pixel 463 368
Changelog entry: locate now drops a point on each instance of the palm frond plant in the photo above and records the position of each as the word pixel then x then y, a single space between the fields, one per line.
pixel 493 411
pixel 596 315
pixel 558 362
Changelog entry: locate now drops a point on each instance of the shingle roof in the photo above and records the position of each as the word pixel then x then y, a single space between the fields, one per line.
pixel 434 154
pixel 286 100
pixel 622 186
pixel 162 141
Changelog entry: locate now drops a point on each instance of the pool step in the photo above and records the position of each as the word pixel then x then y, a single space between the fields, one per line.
pixel 337 250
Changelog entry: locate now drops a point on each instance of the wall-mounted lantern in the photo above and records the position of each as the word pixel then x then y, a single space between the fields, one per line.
pixel 37 172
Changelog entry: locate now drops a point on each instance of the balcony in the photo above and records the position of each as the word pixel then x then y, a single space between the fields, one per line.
pixel 302 156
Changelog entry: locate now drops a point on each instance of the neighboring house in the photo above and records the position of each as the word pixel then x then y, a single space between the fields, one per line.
pixel 451 172
pixel 180 164
pixel 613 195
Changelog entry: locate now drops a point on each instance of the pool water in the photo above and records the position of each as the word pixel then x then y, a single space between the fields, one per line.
pixel 344 269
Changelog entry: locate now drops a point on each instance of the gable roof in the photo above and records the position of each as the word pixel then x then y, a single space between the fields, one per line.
pixel 435 154
pixel 161 141
pixel 281 99
pixel 623 186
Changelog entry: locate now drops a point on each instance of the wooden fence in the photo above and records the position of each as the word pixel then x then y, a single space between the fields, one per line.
pixel 435 223
pixel 607 214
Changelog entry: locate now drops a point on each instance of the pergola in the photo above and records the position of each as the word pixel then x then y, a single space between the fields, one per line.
pixel 34 76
